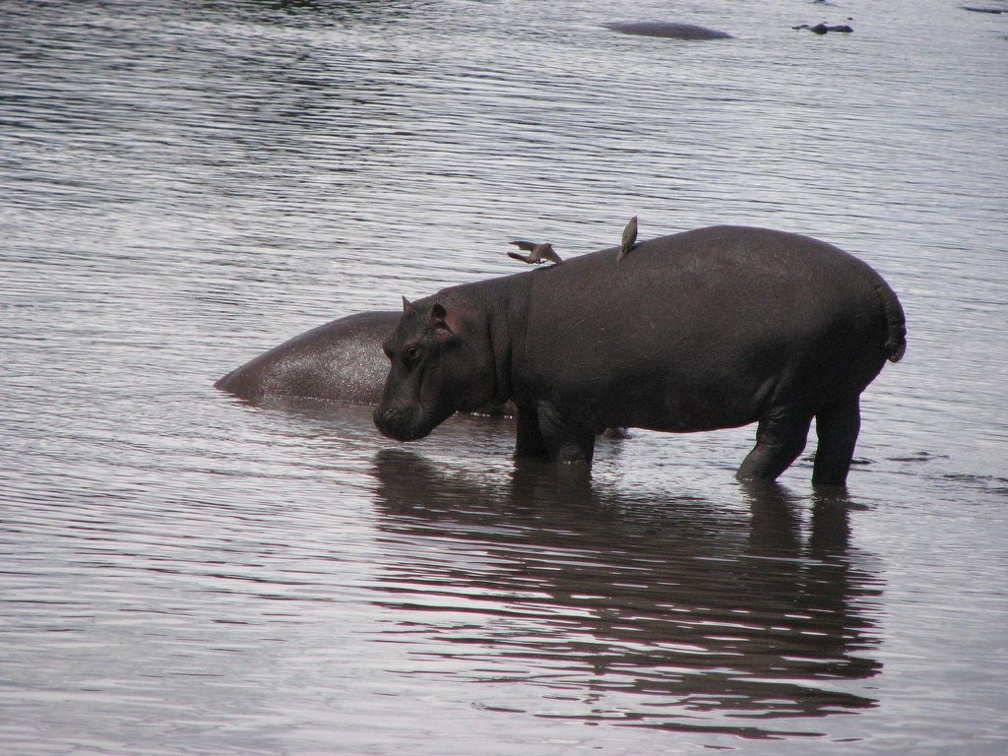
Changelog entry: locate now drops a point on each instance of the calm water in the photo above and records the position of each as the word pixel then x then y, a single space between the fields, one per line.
pixel 184 185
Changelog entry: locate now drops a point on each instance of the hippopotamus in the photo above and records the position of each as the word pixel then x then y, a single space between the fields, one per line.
pixel 667 29
pixel 339 361
pixel 826 28
pixel 713 328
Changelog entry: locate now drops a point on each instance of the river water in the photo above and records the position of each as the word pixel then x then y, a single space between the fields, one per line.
pixel 184 185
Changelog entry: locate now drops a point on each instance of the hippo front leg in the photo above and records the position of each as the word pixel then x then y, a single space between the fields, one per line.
pixel 566 442
pixel 530 442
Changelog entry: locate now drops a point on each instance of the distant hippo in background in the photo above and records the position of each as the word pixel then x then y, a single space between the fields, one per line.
pixel 339 361
pixel 714 328
pixel 666 29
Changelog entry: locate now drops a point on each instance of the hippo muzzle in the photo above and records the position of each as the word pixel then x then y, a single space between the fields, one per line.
pixel 402 423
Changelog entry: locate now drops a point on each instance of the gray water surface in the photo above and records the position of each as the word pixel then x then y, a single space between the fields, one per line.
pixel 184 185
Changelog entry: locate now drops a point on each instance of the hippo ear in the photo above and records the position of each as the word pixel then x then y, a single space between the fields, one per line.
pixel 439 316
pixel 446 324
pixel 405 304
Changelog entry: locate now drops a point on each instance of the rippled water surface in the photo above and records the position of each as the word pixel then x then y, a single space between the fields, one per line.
pixel 184 185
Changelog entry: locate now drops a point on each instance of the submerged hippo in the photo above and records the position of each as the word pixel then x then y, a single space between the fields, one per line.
pixel 666 29
pixel 339 361
pixel 714 328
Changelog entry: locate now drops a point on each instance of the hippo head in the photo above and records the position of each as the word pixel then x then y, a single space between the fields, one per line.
pixel 441 363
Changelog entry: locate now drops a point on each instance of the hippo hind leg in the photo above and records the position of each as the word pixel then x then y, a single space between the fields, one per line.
pixel 837 427
pixel 780 438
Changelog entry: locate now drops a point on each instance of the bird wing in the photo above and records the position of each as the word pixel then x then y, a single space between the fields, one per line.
pixel 526 245
pixel 516 256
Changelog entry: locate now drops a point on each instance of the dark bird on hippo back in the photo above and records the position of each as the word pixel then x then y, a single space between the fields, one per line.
pixel 538 253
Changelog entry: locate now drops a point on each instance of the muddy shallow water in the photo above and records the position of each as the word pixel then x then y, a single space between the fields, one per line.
pixel 183 187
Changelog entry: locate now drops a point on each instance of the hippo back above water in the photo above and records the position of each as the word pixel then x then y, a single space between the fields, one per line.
pixel 714 328
pixel 340 361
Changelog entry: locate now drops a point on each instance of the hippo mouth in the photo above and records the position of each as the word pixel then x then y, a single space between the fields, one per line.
pixel 402 423
pixel 409 423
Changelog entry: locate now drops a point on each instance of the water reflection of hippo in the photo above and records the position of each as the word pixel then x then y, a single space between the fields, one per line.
pixel 666 29
pixel 714 328
pixel 652 602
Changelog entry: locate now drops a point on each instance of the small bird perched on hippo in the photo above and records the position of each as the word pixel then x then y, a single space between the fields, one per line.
pixel 537 253
pixel 714 328
pixel 629 239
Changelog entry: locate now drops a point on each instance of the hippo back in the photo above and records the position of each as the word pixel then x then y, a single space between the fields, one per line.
pixel 716 322
pixel 339 361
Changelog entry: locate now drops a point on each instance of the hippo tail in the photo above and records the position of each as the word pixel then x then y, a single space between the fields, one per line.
pixel 895 345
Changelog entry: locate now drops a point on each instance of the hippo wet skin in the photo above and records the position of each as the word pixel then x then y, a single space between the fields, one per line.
pixel 714 328
pixel 339 361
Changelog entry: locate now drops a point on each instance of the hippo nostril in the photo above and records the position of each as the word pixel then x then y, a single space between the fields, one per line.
pixel 383 418
pixel 391 421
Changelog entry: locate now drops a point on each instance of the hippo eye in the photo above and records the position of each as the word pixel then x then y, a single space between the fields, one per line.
pixel 411 354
